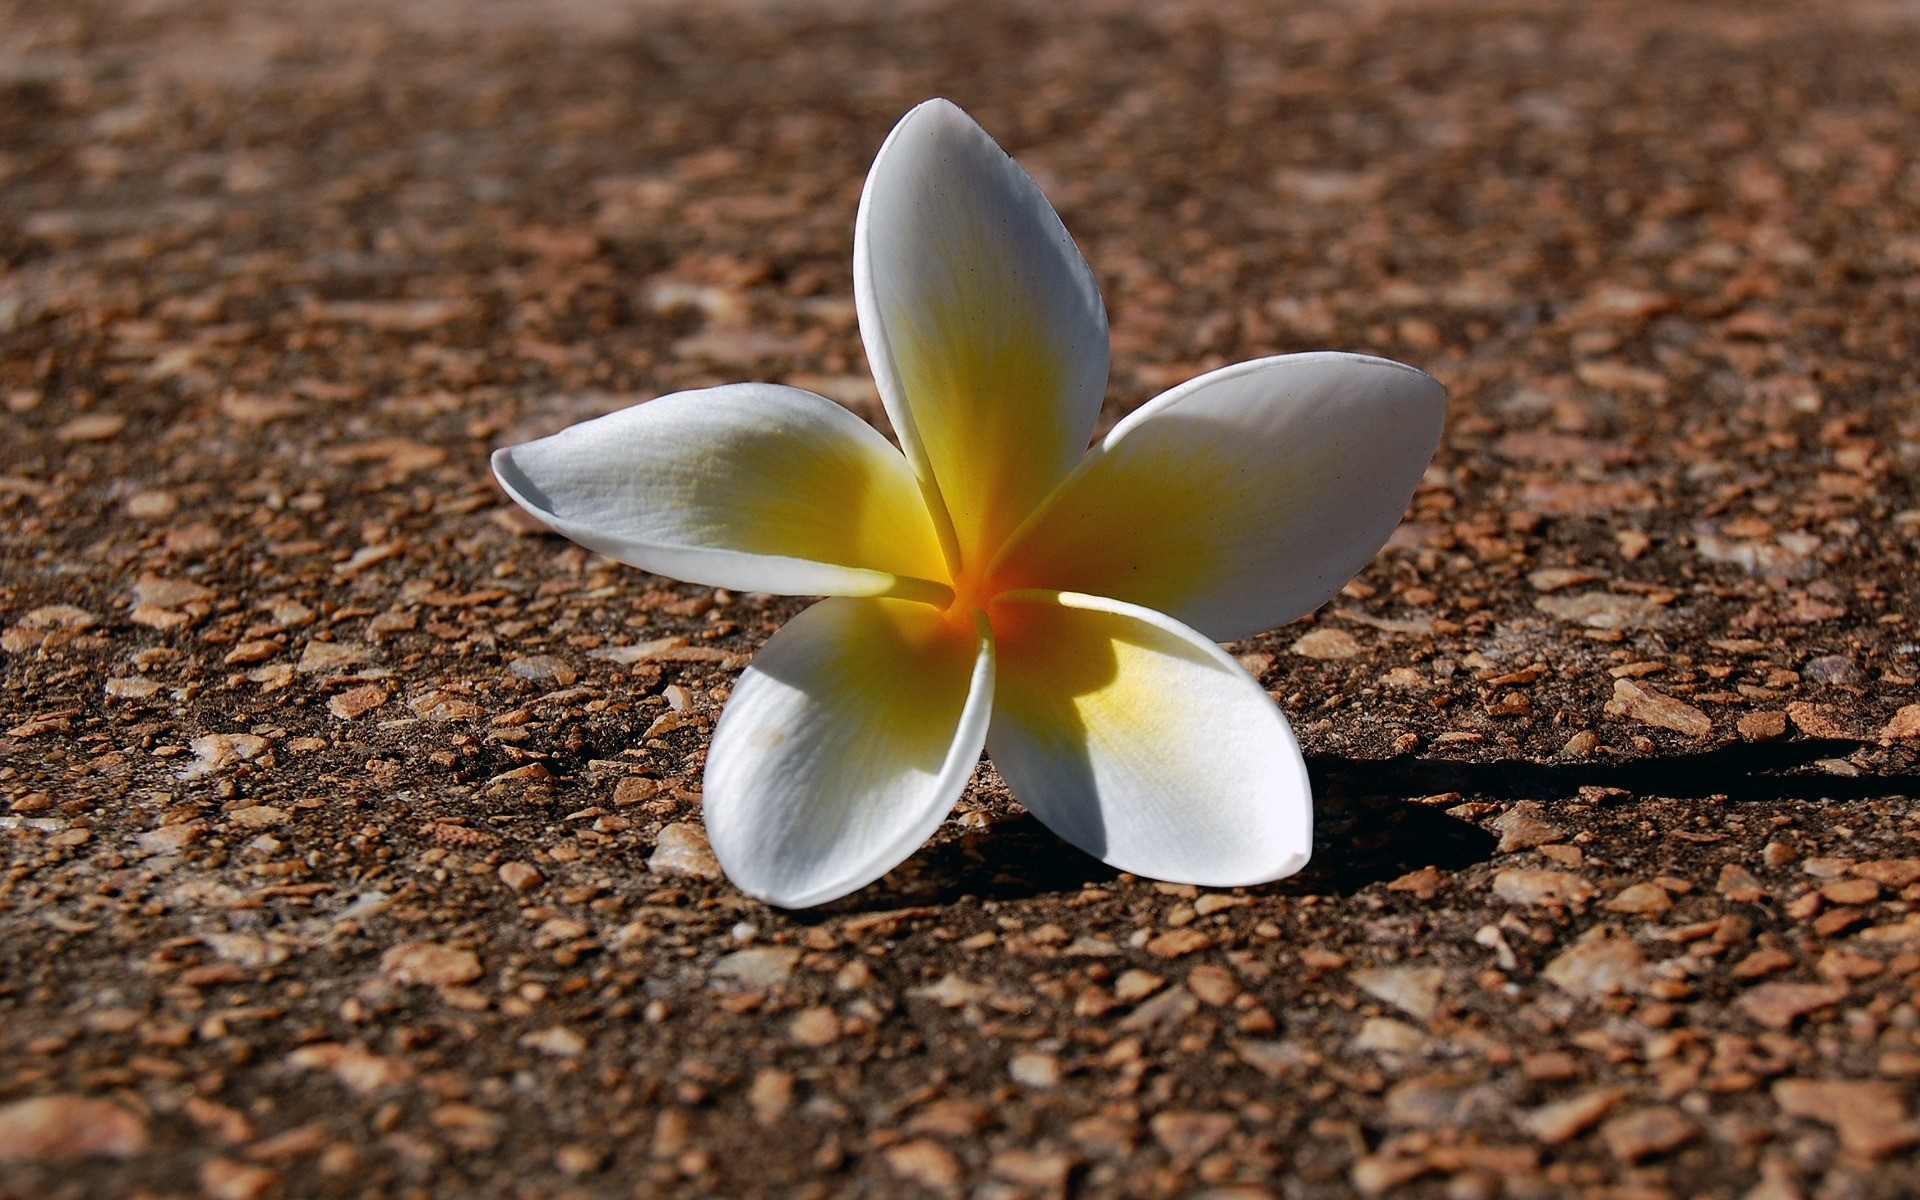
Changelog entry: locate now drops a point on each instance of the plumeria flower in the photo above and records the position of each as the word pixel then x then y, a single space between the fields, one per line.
pixel 995 586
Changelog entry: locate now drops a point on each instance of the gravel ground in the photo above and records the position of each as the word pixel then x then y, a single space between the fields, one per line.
pixel 351 827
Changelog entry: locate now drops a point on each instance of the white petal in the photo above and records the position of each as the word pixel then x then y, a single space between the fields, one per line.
pixel 1142 743
pixel 982 322
pixel 844 746
pixel 750 486
pixel 1244 498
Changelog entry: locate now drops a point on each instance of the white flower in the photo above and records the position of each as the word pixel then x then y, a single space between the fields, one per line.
pixel 996 586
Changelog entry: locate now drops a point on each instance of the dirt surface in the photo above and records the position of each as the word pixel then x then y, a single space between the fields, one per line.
pixel 349 827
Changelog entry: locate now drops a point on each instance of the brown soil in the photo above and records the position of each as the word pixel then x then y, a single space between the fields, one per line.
pixel 326 806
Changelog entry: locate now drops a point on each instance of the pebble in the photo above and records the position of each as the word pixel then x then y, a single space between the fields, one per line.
pixel 357 702
pixel 926 1163
pixel 521 877
pixel 1384 1035
pixel 224 1179
pixel 1135 984
pixel 46 1128
pixel 1762 726
pixel 1326 644
pixel 1045 1172
pixel 152 505
pixel 682 849
pixel 770 1095
pixel 558 1040
pixel 331 657
pixel 93 427
pixel 814 1027
pixel 429 964
pixel 1870 1117
pixel 1034 1069
pixel 1738 884
pixel 1561 1120
pixel 357 1070
pixel 1529 886
pixel 1521 828
pixel 1415 990
pixel 1779 1005
pixel 758 966
pixel 1646 1132
pixel 1599 964
pixel 1190 1135
pixel 544 668
pixel 1600 610
pixel 578 1160
pixel 1641 899
pixel 1833 669
pixel 1905 724
pixel 1650 707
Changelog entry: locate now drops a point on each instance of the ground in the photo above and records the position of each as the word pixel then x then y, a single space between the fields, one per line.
pixel 351 832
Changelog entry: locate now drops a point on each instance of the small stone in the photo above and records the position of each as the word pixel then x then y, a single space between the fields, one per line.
pixel 93 427
pixel 1379 1174
pixel 1554 579
pixel 1764 961
pixel 46 1128
pixel 1832 669
pixel 1658 709
pixel 1423 883
pixel 1176 942
pixel 331 657
pixel 1851 891
pixel 1905 724
pixel 357 1070
pixel 1034 1069
pixel 1135 984
pixel 1559 1121
pixel 1812 720
pixel 224 1179
pixel 1870 1117
pixel 1600 610
pixel 544 668
pixel 558 1041
pixel 770 1095
pixel 1541 887
pixel 1384 1035
pixel 1738 884
pixel 1640 899
pixel 1521 828
pixel 926 1163
pixel 814 1027
pixel 429 964
pixel 521 877
pixel 1890 872
pixel 1779 1005
pixel 132 688
pixel 357 702
pixel 1599 964
pixel 1581 744
pixel 1326 644
pixel 1442 1100
pixel 578 1160
pixel 152 505
pixel 1646 1132
pixel 1164 1011
pixel 1190 1135
pixel 757 966
pixel 682 849
pixel 1763 726
pixel 1212 984
pixel 1414 990
pixel 1043 1171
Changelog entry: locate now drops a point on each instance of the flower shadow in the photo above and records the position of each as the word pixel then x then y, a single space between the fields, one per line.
pixel 1368 827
